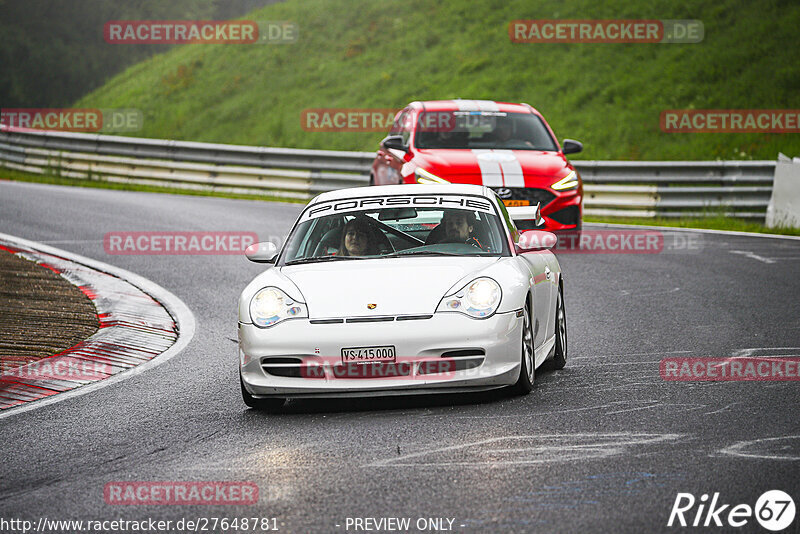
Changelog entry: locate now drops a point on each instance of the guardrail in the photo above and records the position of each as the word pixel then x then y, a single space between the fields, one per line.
pixel 677 188
pixel 283 172
pixel 612 188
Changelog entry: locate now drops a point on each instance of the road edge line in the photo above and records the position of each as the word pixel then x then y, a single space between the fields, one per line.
pixel 698 230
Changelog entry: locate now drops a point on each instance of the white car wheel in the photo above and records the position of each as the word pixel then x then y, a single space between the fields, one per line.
pixel 527 371
pixel 559 359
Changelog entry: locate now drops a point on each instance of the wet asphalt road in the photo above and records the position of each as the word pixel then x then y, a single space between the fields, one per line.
pixel 604 445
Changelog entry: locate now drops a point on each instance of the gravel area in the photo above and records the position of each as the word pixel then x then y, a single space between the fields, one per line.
pixel 41 313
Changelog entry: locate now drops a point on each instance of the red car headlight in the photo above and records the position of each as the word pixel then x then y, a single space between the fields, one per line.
pixel 568 182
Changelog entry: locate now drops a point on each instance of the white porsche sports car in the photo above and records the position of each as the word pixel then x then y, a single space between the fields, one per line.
pixel 398 290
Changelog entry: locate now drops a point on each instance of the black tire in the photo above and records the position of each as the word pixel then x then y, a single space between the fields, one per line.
pixel 266 405
pixel 559 359
pixel 527 369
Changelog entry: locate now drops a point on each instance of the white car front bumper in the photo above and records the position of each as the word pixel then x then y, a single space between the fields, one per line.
pixel 297 358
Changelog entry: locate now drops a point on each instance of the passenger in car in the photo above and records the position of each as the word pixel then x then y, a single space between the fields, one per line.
pixel 453 139
pixel 458 228
pixel 358 239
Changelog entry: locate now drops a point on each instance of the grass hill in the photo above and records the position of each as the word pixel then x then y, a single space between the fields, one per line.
pixel 362 53
pixel 52 52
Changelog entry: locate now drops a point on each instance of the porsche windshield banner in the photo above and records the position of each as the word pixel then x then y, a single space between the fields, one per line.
pixel 331 207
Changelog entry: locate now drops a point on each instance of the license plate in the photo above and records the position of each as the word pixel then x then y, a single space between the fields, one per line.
pixel 368 354
pixel 515 203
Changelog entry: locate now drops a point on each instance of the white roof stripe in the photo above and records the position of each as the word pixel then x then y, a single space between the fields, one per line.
pixel 477 105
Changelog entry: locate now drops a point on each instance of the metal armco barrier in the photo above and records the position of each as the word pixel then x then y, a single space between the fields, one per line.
pixel 282 172
pixel 612 188
pixel 676 188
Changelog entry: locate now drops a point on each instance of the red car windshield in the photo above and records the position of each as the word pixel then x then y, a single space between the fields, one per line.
pixel 482 130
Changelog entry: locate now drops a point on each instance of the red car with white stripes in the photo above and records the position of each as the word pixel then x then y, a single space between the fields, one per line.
pixel 508 147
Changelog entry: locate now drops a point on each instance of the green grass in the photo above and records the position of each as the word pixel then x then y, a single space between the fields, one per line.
pixel 361 53
pixel 711 223
pixel 6 174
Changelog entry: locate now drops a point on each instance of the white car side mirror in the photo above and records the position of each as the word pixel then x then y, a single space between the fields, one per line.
pixel 264 252
pixel 530 240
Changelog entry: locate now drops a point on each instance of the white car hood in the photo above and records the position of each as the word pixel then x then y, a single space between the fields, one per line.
pixel 398 286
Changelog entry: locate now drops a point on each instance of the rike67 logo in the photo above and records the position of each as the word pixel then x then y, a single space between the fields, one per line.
pixel 774 511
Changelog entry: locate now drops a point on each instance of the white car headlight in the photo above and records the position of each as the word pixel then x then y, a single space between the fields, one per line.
pixel 270 306
pixel 480 299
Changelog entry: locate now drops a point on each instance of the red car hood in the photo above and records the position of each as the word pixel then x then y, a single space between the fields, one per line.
pixel 495 168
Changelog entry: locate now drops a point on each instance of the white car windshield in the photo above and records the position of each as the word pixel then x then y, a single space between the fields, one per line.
pixel 401 226
pixel 482 130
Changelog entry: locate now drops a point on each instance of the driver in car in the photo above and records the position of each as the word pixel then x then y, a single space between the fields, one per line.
pixel 504 134
pixel 458 227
